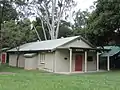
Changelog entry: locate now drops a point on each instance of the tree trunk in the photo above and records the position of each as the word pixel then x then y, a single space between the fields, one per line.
pixel 18 55
pixel 53 19
pixel 37 33
pixel 17 60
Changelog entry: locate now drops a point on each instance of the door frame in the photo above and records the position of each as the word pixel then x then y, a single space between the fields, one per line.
pixel 80 64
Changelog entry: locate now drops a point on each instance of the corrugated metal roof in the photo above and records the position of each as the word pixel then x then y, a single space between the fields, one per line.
pixel 44 45
pixel 113 50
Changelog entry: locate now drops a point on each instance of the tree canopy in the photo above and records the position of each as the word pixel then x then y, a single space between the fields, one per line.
pixel 7 11
pixel 50 12
pixel 17 33
pixel 104 22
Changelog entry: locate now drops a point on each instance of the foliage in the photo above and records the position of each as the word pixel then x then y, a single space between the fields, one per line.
pixel 50 12
pixel 17 33
pixel 64 31
pixel 7 11
pixel 104 22
pixel 81 18
pixel 81 21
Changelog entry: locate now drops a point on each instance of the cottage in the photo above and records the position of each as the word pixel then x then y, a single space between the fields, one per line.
pixel 71 54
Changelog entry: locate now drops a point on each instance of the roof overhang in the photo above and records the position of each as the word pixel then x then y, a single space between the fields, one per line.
pixel 30 51
pixel 83 49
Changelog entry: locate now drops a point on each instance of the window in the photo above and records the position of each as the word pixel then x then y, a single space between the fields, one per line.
pixel 42 58
pixel 90 58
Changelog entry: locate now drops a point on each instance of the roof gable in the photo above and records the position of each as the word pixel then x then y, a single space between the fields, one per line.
pixel 78 43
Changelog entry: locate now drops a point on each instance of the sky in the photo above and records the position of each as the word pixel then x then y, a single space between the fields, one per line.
pixel 84 4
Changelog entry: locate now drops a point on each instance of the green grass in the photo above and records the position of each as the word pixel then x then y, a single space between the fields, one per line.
pixel 37 80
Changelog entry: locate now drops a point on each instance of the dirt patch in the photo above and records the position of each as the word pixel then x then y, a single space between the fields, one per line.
pixel 8 73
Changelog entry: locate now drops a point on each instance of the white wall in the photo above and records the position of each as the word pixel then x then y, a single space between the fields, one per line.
pixel 12 60
pixel 31 63
pixel 77 43
pixel 62 65
pixel 48 62
pixel 92 64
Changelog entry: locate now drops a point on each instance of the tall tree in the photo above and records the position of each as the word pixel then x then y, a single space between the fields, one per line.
pixel 50 13
pixel 79 27
pixel 17 33
pixel 81 18
pixel 7 12
pixel 64 30
pixel 104 22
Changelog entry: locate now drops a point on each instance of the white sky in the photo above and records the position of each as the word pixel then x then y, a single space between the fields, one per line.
pixel 84 4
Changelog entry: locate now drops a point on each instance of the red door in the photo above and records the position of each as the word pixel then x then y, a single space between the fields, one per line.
pixel 78 63
pixel 3 58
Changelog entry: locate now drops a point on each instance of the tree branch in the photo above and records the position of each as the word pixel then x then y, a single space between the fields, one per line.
pixel 58 23
pixel 37 33
pixel 43 28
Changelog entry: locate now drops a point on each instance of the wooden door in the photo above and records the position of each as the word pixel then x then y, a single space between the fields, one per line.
pixel 3 58
pixel 78 63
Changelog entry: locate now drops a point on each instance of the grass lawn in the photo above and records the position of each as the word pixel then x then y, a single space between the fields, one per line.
pixel 36 80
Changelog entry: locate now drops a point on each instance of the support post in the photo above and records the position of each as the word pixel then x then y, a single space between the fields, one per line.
pixel 70 60
pixel 108 63
pixel 97 61
pixel 85 61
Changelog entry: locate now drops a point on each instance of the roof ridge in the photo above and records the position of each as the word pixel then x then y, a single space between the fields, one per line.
pixel 58 39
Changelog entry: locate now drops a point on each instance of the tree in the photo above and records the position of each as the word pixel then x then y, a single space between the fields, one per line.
pixel 50 13
pixel 17 33
pixel 38 25
pixel 7 12
pixel 65 29
pixel 81 18
pixel 104 22
pixel 79 27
